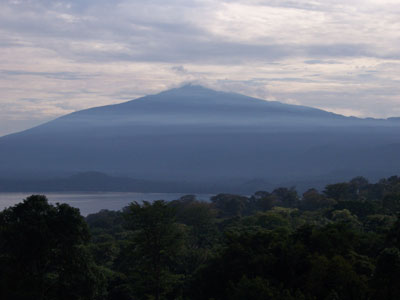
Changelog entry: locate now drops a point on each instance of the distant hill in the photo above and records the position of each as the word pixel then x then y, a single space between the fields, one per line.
pixel 195 136
pixel 92 182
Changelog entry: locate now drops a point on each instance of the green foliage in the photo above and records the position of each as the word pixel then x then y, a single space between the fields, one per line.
pixel 343 243
pixel 230 205
pixel 156 243
pixel 387 273
pixel 380 224
pixel 286 197
pixel 260 289
pixel 44 254
pixel 313 200
pixel 355 190
pixel 262 201
pixel 106 221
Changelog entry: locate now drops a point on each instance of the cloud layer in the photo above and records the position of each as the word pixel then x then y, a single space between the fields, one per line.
pixel 62 56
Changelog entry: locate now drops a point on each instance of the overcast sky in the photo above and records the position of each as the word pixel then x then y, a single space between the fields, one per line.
pixel 60 56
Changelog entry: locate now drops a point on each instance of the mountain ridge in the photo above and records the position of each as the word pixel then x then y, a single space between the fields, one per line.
pixel 190 92
pixel 194 134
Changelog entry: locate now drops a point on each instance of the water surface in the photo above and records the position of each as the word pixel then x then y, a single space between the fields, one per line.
pixel 93 202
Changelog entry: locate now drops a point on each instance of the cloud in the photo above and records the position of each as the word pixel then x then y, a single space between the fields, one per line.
pixel 50 75
pixel 70 54
pixel 321 62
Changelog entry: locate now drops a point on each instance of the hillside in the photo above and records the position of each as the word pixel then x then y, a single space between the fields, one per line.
pixel 200 136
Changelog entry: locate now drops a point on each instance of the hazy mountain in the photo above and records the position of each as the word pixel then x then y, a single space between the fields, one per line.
pixel 200 136
pixel 99 182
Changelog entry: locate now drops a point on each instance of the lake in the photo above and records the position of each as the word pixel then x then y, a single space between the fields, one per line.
pixel 93 202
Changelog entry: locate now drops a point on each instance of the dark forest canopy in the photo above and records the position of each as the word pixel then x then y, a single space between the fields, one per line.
pixel 341 243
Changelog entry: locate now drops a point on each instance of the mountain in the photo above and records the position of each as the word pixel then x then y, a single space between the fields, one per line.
pixel 96 182
pixel 200 136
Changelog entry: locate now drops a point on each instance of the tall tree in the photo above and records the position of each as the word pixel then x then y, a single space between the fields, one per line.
pixel 43 253
pixel 157 240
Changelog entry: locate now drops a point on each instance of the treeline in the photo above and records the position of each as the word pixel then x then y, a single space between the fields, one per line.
pixel 341 243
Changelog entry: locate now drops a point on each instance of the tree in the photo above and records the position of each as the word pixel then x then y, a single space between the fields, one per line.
pixel 338 191
pixel 43 253
pixel 259 289
pixel 391 202
pixel 198 216
pixel 344 216
pixel 313 200
pixel 157 241
pixel 230 205
pixel 286 197
pixel 387 275
pixel 262 201
pixel 355 190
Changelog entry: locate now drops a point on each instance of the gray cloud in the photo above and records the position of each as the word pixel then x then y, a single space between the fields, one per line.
pixel 67 55
pixel 51 75
pixel 155 39
pixel 321 62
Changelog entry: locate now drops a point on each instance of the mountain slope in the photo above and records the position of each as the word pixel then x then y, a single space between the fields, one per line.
pixel 195 134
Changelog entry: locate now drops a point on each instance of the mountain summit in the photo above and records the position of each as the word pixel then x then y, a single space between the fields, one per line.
pixel 197 135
